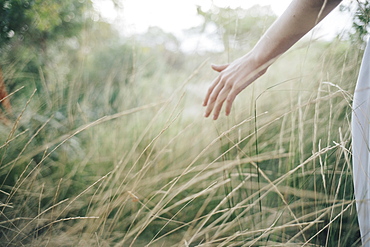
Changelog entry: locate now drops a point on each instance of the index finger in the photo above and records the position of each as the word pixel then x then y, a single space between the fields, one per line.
pixel 210 90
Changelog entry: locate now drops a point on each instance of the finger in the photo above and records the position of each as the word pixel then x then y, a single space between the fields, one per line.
pixel 223 95
pixel 229 101
pixel 219 68
pixel 209 109
pixel 213 98
pixel 210 90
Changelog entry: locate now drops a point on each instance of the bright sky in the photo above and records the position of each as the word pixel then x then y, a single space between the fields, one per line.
pixel 176 15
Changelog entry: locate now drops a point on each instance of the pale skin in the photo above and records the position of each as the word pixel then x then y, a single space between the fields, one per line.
pixel 298 19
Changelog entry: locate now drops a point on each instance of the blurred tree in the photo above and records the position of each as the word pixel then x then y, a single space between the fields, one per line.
pixel 155 37
pixel 31 29
pixel 12 19
pixel 238 27
pixel 361 20
pixel 40 21
pixel 164 46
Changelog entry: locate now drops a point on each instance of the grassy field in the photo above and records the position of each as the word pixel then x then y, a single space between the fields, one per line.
pixel 119 154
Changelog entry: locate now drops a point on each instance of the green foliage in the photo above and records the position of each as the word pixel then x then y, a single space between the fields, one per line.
pixel 361 20
pixel 38 21
pixel 52 20
pixel 31 33
pixel 13 18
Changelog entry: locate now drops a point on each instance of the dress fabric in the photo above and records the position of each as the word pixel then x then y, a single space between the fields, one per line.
pixel 361 147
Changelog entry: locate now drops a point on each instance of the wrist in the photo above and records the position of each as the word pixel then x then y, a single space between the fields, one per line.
pixel 260 61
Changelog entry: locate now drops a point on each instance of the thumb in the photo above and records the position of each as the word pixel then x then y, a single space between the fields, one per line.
pixel 219 68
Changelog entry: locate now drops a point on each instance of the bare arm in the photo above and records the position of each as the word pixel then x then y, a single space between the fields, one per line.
pixel 299 18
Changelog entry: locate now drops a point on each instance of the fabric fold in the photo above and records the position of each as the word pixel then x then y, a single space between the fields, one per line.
pixel 361 147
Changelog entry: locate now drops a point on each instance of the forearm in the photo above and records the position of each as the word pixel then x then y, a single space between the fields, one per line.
pixel 304 14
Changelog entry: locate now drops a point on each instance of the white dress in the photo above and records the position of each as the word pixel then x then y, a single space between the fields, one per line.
pixel 361 147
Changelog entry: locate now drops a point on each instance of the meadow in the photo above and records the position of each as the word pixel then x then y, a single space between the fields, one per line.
pixel 109 148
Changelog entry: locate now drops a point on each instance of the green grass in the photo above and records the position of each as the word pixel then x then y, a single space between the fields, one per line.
pixel 144 168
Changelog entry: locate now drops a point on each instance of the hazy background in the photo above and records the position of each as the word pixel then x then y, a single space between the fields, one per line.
pixel 103 142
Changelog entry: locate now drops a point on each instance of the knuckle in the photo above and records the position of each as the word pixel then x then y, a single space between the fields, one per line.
pixel 213 98
pixel 231 97
pixel 229 84
pixel 223 79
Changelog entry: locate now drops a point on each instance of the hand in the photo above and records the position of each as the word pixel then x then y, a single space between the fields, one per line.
pixel 233 78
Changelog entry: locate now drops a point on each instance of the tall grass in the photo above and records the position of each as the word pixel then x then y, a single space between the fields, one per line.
pixel 146 169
